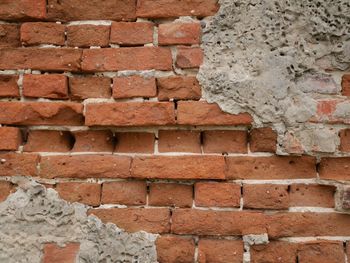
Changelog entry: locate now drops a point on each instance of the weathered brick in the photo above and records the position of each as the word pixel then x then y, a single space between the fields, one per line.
pixel 72 10
pixel 136 58
pixel 179 34
pixel 86 193
pixel 66 254
pixel 344 140
pixel 88 35
pixel 131 34
pixel 175 249
pixel 328 111
pixel 179 167
pixel 346 85
pixel 131 142
pixel 10 138
pixel 124 193
pixel 179 141
pixel 203 113
pixel 274 251
pixel 89 87
pixel 134 86
pixel 164 194
pixel 9 35
pixel 335 168
pixel 321 251
pixel 179 88
pixel 220 251
pixel 345 198
pixel 130 114
pixel 217 194
pixel 312 195
pixel 188 57
pixel 93 141
pixel 263 140
pixel 41 113
pixel 14 164
pixel 172 8
pixel 153 220
pixel 48 141
pixel 274 167
pixel 225 141
pixel 8 86
pixel 37 33
pixel 22 10
pixel 85 166
pixel 265 196
pixel 5 189
pixel 47 59
pixel 53 86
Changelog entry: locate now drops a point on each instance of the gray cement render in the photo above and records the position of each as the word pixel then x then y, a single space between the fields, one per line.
pixel 33 216
pixel 273 59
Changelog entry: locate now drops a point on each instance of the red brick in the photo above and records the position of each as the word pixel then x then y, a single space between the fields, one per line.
pixel 179 167
pixel 93 141
pixel 335 169
pixel 312 195
pixel 164 194
pixel 203 113
pixel 346 85
pixel 86 193
pixel 53 86
pixel 88 35
pixel 327 109
pixel 124 193
pixel 179 141
pixel 41 113
pixel 8 86
pixel 172 8
pixel 153 220
pixel 274 251
pixel 89 87
pixel 9 35
pixel 179 88
pixel 46 59
pixel 220 251
pixel 22 10
pixel 131 34
pixel 179 34
pixel 344 140
pixel 5 190
pixel 48 141
pixel 321 252
pixel 211 222
pixel 131 142
pixel 265 196
pixel 225 141
pixel 217 194
pixel 13 164
pixel 263 140
pixel 42 33
pixel 66 254
pixel 10 138
pixel 188 57
pixel 85 166
pixel 129 114
pixel 73 10
pixel 136 58
pixel 275 167
pixel 175 249
pixel 134 86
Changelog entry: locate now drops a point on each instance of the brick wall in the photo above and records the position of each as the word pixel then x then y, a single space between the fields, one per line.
pixel 101 102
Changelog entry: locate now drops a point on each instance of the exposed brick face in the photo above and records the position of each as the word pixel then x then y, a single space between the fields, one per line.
pixel 86 193
pixel 9 36
pixel 129 87
pixel 8 86
pixel 163 194
pixel 42 33
pixel 173 249
pixel 344 140
pixel 88 35
pixel 124 193
pixel 263 140
pixel 90 87
pixel 189 57
pixel 131 34
pixel 55 253
pixel 93 141
pixel 220 251
pixel 5 189
pixel 22 10
pixel 225 142
pixel 179 34
pixel 312 195
pixel 130 142
pixel 179 141
pixel 48 141
pixel 10 138
pixel 335 168
pixel 178 88
pixel 346 85
pixel 53 86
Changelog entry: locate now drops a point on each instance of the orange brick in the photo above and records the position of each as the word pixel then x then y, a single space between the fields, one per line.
pixel 344 140
pixel 22 10
pixel 163 194
pixel 66 254
pixel 131 34
pixel 86 193
pixel 5 189
pixel 130 142
pixel 335 169
pixel 53 86
pixel 188 57
pixel 134 86
pixel 220 251
pixel 10 138
pixel 88 35
pixel 89 87
pixel 174 249
pixel 179 141
pixel 93 141
pixel 49 141
pixel 124 193
pixel 8 86
pixel 346 85
pixel 36 33
pixel 217 194
pixel 274 251
pixel 15 164
pixel 312 195
pixel 178 88
pixel 179 34
pixel 263 140
pixel 225 141
pixel 9 36
pixel 321 251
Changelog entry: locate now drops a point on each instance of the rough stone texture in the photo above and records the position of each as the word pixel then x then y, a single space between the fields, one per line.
pixel 28 225
pixel 268 58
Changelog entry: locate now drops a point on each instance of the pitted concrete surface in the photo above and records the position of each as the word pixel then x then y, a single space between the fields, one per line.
pixel 33 216
pixel 273 59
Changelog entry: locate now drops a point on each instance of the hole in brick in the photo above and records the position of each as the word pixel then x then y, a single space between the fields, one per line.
pixel 71 139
